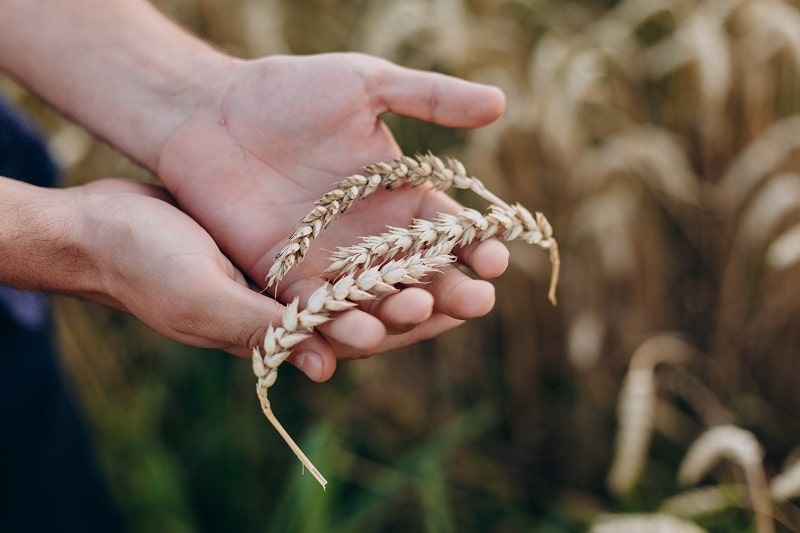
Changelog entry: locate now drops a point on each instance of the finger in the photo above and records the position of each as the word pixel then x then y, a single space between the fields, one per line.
pixel 434 97
pixel 460 296
pixel 354 328
pixel 240 318
pixel 436 325
pixel 404 310
pixel 488 259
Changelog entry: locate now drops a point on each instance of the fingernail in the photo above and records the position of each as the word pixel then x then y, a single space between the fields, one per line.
pixel 311 364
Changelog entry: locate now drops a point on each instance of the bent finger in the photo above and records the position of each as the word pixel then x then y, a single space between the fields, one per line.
pixel 354 328
pixel 240 319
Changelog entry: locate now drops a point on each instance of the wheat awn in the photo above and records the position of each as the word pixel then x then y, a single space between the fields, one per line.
pixel 373 268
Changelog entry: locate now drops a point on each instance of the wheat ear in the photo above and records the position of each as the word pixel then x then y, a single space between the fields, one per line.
pixel 786 485
pixel 742 448
pixel 443 234
pixel 425 248
pixel 702 501
pixel 636 407
pixel 412 171
pixel 297 325
pixel 636 523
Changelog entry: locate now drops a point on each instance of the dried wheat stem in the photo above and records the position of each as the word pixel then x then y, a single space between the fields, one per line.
pixel 425 247
pixel 297 325
pixel 636 408
pixel 635 415
pixel 442 235
pixel 267 410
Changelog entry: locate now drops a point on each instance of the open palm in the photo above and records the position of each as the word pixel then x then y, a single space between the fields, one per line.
pixel 279 132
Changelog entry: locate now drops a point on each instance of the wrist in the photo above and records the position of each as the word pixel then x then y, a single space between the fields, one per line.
pixel 157 93
pixel 158 104
pixel 43 247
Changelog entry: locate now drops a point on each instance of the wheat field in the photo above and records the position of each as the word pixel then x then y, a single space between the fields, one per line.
pixel 662 139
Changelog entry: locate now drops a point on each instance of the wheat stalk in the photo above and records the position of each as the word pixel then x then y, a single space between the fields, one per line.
pixel 296 325
pixel 635 415
pixel 372 269
pixel 636 523
pixel 785 249
pixel 759 159
pixel 636 408
pixel 701 501
pixel 772 205
pixel 786 485
pixel 406 170
pixel 441 236
pixel 741 447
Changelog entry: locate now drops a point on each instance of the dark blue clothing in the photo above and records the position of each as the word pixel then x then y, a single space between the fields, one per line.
pixel 50 478
pixel 23 157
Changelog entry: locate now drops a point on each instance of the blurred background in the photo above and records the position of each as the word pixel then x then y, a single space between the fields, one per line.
pixel 660 138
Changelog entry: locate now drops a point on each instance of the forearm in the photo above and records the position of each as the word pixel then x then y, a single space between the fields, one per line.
pixel 39 248
pixel 117 66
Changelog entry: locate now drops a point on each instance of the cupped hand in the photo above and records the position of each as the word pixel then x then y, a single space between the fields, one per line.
pixel 269 137
pixel 152 260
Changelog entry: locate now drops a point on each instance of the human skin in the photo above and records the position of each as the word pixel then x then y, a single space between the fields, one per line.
pixel 245 147
pixel 92 240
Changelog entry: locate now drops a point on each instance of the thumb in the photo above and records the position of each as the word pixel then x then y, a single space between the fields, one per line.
pixel 433 97
pixel 241 319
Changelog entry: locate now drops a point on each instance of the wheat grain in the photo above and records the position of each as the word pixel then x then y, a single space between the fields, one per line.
pixel 371 269
pixel 261 24
pixel 610 212
pixel 636 406
pixel 784 251
pixel 392 36
pixel 585 340
pixel 637 523
pixel 777 200
pixel 702 501
pixel 649 153
pixel 740 447
pixel 421 22
pixel 786 485
pixel 544 68
pixel 635 416
pixel 411 171
pixel 296 325
pixel 771 26
pixel 700 39
pixel 441 236
pixel 757 160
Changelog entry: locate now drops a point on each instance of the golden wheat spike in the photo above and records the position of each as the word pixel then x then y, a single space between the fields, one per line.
pixel 373 268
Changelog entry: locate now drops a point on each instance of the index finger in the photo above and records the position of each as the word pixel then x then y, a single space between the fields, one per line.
pixel 434 97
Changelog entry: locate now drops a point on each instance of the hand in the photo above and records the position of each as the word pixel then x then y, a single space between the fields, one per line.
pixel 280 132
pixel 152 260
